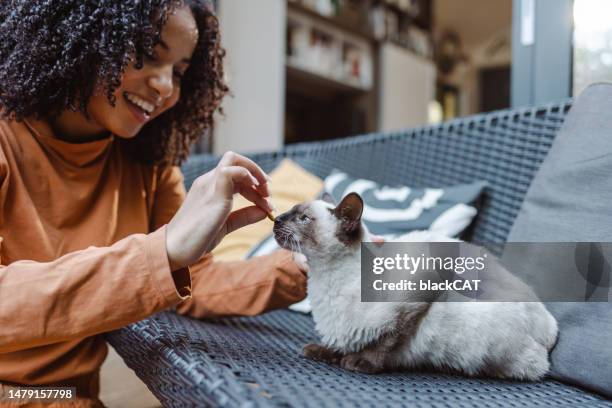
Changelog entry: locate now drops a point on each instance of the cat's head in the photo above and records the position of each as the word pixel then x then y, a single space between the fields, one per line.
pixel 321 227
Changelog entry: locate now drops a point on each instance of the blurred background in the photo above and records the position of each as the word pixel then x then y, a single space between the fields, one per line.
pixel 303 70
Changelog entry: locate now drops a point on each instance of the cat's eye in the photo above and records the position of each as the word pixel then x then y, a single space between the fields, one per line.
pixel 304 218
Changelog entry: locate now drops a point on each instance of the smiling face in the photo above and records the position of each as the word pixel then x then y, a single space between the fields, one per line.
pixel 144 93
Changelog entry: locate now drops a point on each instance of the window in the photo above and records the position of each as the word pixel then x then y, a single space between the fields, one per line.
pixel 592 43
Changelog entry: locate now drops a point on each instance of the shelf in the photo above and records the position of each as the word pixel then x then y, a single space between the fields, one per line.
pixel 421 20
pixel 309 78
pixel 333 21
pixel 410 50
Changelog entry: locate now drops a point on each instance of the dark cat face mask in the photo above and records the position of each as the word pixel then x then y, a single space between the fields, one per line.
pixel 320 225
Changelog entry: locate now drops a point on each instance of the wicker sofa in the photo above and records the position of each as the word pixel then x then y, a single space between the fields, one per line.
pixel 256 362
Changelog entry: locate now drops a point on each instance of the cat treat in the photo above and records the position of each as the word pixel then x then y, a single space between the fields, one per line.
pixel 270 214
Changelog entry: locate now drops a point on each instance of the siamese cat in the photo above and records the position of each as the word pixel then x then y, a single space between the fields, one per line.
pixel 508 340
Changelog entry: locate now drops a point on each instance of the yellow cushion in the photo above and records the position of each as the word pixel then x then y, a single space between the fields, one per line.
pixel 290 185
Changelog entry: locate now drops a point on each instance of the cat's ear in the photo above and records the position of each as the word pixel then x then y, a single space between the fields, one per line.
pixel 328 198
pixel 350 208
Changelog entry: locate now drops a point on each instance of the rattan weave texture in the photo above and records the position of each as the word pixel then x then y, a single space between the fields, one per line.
pixel 251 362
pixel 255 362
pixel 504 148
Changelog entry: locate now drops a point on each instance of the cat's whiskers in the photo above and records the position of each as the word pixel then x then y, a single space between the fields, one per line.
pixel 284 233
pixel 288 237
pixel 295 244
pixel 292 241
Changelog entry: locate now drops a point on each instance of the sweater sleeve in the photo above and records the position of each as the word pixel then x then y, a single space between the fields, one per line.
pixel 85 292
pixel 239 288
pixel 244 288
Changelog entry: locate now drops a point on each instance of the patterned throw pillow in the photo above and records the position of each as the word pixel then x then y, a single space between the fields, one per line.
pixel 393 211
pixel 396 210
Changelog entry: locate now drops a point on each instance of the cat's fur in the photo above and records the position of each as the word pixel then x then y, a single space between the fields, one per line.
pixel 498 339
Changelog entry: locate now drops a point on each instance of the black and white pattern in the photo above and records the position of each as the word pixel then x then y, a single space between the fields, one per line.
pixel 396 210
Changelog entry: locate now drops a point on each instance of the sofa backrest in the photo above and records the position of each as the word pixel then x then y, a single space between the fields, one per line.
pixel 505 148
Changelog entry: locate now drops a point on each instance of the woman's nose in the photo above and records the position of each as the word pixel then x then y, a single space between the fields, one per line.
pixel 161 81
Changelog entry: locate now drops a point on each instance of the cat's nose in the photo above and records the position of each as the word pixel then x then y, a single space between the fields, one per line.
pixel 278 224
pixel 280 219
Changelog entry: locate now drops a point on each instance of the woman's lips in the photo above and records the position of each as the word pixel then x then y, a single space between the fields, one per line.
pixel 140 115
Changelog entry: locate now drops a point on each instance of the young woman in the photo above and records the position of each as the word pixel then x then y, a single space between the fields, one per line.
pixel 100 102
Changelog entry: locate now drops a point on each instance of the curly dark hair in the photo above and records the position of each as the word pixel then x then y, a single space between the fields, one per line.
pixel 52 52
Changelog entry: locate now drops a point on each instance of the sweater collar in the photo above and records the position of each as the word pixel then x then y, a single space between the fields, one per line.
pixel 76 154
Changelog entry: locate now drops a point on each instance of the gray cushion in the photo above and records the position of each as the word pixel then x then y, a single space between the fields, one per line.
pixel 570 200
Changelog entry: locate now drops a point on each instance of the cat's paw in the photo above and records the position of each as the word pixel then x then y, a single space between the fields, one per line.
pixel 531 364
pixel 361 363
pixel 321 353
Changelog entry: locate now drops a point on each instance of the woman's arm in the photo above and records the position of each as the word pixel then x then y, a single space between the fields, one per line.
pixel 242 288
pixel 85 292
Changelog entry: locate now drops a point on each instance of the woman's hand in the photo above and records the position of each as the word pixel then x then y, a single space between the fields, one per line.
pixel 205 216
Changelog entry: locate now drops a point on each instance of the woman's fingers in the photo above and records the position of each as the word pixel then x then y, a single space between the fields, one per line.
pixel 205 217
pixel 253 196
pixel 236 177
pixel 243 217
pixel 235 159
pixel 243 182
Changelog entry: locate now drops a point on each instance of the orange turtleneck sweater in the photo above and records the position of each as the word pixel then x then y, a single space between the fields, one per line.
pixel 82 252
